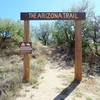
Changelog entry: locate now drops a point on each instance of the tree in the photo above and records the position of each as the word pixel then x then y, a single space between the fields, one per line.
pixel 95 36
pixel 10 30
pixel 43 33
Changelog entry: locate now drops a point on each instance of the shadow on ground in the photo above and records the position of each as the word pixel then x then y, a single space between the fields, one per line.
pixel 66 92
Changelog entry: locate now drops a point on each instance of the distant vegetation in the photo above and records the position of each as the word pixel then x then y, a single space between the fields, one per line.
pixel 63 32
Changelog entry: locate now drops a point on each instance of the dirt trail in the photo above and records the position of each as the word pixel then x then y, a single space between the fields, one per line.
pixel 57 84
pixel 49 85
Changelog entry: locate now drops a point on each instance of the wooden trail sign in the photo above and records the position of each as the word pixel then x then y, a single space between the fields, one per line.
pixel 52 16
pixel 25 48
pixel 77 16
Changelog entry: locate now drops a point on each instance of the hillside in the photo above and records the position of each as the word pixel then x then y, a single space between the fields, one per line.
pixel 56 82
pixel 52 75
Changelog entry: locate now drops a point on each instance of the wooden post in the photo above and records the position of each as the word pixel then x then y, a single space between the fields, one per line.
pixel 78 51
pixel 26 76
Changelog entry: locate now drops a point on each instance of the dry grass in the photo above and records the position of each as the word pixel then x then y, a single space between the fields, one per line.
pixel 11 71
pixel 88 89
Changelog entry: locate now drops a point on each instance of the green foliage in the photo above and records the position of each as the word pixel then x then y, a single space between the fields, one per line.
pixel 63 32
pixel 89 98
pixel 10 33
pixel 85 43
pixel 9 28
pixel 43 33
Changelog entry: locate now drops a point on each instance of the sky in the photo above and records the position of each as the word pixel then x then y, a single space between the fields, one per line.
pixel 12 8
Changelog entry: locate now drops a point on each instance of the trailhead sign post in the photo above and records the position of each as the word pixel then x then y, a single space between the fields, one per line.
pixel 77 16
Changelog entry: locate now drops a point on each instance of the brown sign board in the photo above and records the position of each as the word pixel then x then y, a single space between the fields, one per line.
pixel 25 47
pixel 53 16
